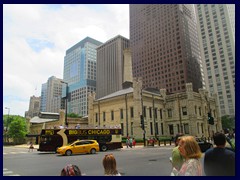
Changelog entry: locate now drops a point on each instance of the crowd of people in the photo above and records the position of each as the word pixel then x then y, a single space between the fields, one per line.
pixel 218 161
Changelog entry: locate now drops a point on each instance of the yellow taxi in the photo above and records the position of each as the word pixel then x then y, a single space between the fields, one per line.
pixel 79 147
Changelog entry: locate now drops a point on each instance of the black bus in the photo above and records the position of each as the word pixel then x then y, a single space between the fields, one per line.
pixel 108 139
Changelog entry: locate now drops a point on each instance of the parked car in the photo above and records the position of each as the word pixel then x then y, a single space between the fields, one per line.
pixel 79 147
pixel 204 145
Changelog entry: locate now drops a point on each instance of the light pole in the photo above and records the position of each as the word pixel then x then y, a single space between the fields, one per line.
pixel 7 118
pixel 66 101
pixel 7 123
pixel 142 119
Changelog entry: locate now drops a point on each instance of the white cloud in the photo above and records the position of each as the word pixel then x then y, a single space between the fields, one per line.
pixel 58 28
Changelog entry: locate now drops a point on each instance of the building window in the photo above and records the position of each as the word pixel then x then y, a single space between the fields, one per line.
pixel 121 113
pixel 184 111
pixel 150 112
pixel 161 113
pixel 104 116
pixel 131 112
pixel 178 128
pixel 122 127
pixel 171 129
pixel 96 117
pixel 156 124
pixel 162 128
pixel 151 128
pixel 200 111
pixel 186 128
pixel 112 115
pixel 144 111
pixel 155 112
pixel 169 113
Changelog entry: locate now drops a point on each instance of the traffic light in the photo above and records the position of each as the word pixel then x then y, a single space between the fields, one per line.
pixel 210 119
pixel 142 121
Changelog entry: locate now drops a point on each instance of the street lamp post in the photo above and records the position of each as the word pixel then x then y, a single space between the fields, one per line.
pixel 7 122
pixel 66 101
pixel 142 119
pixel 7 118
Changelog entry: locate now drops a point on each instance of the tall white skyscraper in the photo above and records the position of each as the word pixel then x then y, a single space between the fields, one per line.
pixel 216 27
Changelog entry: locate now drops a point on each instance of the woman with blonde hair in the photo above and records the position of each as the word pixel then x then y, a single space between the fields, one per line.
pixel 191 152
pixel 110 165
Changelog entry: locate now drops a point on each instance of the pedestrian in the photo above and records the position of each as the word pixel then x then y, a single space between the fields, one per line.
pixel 110 165
pixel 177 159
pixel 130 142
pixel 71 170
pixel 31 147
pixel 133 142
pixel 127 142
pixel 219 161
pixel 191 152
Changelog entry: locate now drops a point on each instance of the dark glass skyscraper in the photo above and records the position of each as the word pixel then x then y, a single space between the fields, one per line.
pixel 164 45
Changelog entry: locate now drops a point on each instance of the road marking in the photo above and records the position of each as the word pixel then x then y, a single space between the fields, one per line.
pixel 6 172
pixel 21 152
pixel 14 175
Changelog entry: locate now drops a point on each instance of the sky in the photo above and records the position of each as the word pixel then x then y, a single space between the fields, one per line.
pixel 36 37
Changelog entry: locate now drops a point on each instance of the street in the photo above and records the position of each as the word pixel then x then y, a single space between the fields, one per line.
pixel 138 161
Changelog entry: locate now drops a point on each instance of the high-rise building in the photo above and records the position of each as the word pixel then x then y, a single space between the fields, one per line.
pixel 54 101
pixel 110 65
pixel 43 98
pixel 216 26
pixel 34 107
pixel 165 47
pixel 80 74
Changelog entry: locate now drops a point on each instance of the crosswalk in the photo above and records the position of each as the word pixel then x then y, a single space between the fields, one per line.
pixel 7 172
pixel 15 152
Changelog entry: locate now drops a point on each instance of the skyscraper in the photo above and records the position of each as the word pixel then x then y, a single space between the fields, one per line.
pixel 110 65
pixel 164 45
pixel 216 26
pixel 80 74
pixel 43 98
pixel 54 100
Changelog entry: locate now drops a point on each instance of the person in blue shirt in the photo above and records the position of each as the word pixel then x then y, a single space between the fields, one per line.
pixel 219 161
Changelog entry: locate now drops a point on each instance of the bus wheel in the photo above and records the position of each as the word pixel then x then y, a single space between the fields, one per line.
pixel 68 152
pixel 93 151
pixel 104 148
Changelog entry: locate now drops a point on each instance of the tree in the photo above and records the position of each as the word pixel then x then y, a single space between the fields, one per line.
pixel 73 115
pixel 228 122
pixel 17 129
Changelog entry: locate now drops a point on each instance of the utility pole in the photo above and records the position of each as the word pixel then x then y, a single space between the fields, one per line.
pixel 7 122
pixel 180 115
pixel 142 120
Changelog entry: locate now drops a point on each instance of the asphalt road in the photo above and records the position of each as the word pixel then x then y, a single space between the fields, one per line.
pixel 144 161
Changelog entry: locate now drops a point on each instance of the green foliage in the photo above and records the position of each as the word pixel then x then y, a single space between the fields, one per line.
pixel 73 115
pixel 17 129
pixel 228 122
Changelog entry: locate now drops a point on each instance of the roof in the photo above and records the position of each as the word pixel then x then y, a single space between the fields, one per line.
pixel 37 119
pixel 117 93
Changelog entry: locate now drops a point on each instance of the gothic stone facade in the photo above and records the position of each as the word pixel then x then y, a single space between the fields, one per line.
pixel 164 115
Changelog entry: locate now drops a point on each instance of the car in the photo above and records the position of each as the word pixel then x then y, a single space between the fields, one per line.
pixel 204 145
pixel 79 147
